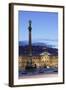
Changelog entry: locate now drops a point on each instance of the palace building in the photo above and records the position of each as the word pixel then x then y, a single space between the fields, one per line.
pixel 44 59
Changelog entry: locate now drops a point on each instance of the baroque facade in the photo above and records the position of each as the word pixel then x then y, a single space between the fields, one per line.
pixel 43 60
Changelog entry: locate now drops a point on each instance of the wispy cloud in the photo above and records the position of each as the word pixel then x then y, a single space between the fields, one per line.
pixel 54 40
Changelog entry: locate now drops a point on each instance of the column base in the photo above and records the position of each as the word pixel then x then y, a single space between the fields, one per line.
pixel 30 68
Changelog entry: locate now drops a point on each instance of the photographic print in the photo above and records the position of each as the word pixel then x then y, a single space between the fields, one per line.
pixel 36 53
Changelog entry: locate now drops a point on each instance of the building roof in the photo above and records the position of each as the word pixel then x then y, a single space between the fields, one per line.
pixel 44 53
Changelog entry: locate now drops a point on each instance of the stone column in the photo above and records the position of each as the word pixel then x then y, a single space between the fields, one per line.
pixel 30 44
pixel 29 62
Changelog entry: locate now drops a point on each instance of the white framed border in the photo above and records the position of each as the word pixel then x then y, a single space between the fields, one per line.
pixel 59 77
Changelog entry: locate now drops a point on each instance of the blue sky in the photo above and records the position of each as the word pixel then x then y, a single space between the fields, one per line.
pixel 44 26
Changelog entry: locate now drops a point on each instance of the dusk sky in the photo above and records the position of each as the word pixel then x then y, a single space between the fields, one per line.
pixel 44 26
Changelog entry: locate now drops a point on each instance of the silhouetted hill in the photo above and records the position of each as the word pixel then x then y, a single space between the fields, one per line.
pixel 37 48
pixel 25 43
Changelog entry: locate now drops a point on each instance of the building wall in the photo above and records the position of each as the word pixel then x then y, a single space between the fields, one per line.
pixel 45 60
pixel 54 61
pixel 39 61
